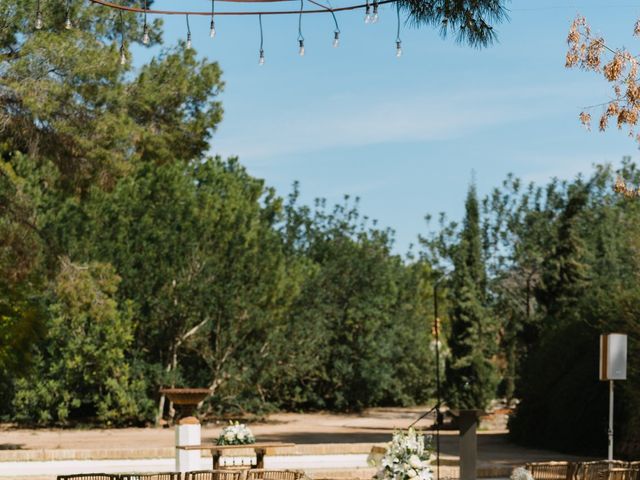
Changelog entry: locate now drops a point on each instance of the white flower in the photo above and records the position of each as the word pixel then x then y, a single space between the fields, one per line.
pixel 415 461
pixel 425 474
pixel 406 458
pixel 236 434
pixel 521 473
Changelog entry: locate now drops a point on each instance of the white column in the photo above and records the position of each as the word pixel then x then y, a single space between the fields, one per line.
pixel 187 434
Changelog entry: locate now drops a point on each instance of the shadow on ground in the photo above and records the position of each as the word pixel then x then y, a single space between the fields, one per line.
pixel 11 446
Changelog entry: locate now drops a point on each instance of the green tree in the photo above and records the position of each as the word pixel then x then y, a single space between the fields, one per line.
pixel 471 376
pixel 81 368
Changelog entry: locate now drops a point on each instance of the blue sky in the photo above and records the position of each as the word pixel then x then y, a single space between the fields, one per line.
pixel 406 134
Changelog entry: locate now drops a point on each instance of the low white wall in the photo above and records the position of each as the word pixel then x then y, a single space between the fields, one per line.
pixel 66 467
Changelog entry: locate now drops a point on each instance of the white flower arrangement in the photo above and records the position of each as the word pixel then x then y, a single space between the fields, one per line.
pixel 521 473
pixel 406 458
pixel 236 434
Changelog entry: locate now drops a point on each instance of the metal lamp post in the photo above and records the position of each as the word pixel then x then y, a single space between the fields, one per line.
pixel 613 366
pixel 436 408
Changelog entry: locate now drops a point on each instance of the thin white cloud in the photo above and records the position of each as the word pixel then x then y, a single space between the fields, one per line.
pixel 347 121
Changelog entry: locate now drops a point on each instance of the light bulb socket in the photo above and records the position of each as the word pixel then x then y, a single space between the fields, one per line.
pixel 374 17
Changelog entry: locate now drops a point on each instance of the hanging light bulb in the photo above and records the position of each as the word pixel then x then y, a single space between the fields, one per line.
pixel 189 44
pixel 300 36
pixel 367 14
pixel 39 22
pixel 212 27
pixel 123 55
pixel 67 24
pixel 145 28
pixel 145 35
pixel 398 40
pixel 123 50
pixel 374 18
pixel 261 58
pixel 336 31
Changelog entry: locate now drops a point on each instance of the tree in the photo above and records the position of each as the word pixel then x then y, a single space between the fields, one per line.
pixel 564 273
pixel 470 372
pixel 75 123
pixel 471 22
pixel 202 264
pixel 81 367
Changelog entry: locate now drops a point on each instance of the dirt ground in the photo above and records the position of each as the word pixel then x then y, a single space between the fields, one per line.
pixel 372 426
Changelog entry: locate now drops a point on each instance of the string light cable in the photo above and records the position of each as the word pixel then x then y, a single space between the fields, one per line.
pixel 261 57
pixel 300 36
pixel 189 45
pixel 336 32
pixel 67 23
pixel 212 27
pixel 354 6
pixel 39 21
pixel 398 40
pixel 123 49
pixel 145 27
pixel 246 7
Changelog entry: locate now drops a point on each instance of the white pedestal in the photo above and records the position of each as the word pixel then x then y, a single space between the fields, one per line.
pixel 187 434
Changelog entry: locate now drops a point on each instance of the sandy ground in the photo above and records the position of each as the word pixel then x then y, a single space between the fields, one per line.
pixel 372 426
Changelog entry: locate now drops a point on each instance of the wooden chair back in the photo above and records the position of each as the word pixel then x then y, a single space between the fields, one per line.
pixel 151 476
pixel 261 474
pixel 619 474
pixel 594 470
pixel 214 475
pixel 89 476
pixel 551 470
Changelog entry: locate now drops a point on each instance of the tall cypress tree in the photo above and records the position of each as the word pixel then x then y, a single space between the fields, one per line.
pixel 470 372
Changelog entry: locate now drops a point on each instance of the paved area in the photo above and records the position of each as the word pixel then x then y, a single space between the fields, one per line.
pixel 372 426
pixel 313 433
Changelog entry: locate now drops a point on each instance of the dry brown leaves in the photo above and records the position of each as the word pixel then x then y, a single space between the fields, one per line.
pixel 617 66
pixel 621 187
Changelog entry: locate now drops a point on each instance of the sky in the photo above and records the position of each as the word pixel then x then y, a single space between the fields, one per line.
pixel 407 135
